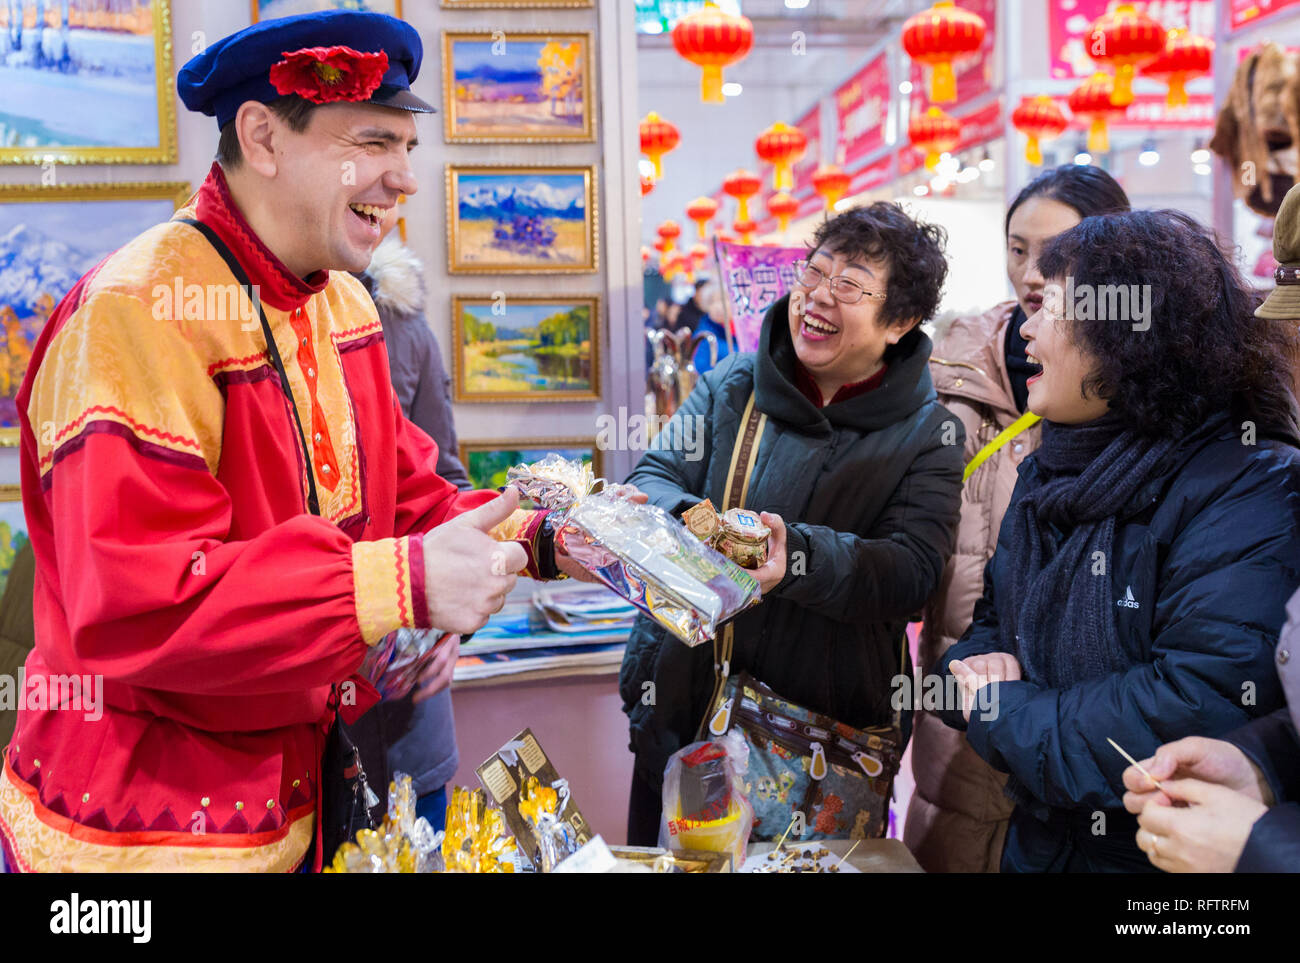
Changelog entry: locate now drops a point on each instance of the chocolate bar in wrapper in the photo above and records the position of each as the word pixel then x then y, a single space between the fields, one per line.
pixel 650 559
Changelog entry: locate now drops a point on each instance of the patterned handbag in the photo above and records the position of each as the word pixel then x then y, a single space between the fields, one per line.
pixel 839 777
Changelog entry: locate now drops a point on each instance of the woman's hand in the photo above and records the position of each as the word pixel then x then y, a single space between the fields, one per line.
pixel 1205 835
pixel 571 568
pixel 1206 760
pixel 771 572
pixel 978 671
pixel 436 676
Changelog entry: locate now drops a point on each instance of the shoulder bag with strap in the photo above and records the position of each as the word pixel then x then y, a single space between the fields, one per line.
pixel 800 761
pixel 347 800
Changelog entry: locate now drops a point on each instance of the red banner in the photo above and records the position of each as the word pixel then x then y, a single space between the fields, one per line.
pixel 861 107
pixel 982 126
pixel 811 125
pixel 1246 13
pixel 872 176
pixel 1069 23
pixel 1151 110
pixel 976 74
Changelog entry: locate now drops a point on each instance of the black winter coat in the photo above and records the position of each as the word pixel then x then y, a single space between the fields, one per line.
pixel 870 489
pixel 1205 557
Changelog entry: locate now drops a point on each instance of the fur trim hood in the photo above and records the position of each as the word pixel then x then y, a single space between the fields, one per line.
pixel 396 278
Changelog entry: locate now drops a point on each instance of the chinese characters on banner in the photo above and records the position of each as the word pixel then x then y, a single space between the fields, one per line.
pixel 976 74
pixel 1151 111
pixel 753 278
pixel 861 105
pixel 1070 20
pixel 1248 12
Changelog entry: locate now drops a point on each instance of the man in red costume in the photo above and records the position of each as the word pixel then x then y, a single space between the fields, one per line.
pixel 226 504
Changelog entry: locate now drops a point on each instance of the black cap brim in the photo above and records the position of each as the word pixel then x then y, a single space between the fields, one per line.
pixel 401 99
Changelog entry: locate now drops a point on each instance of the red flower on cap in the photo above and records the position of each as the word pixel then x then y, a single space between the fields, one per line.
pixel 325 75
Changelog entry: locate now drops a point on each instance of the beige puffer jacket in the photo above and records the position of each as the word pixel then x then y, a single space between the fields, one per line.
pixel 957 819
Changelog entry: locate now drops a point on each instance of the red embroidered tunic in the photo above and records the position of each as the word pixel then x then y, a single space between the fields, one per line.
pixel 165 490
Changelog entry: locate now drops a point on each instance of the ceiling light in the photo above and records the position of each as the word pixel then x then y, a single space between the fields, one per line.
pixel 1203 169
pixel 731 89
pixel 1201 155
pixel 1149 157
pixel 796 4
pixel 1083 158
pixel 905 87
pixel 920 190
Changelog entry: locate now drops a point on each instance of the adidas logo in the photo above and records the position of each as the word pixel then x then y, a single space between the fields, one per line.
pixel 1128 601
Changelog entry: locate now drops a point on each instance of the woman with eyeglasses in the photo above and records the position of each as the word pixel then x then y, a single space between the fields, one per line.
pixel 1146 558
pixel 957 816
pixel 857 471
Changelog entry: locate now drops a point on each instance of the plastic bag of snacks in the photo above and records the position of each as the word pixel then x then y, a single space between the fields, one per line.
pixel 394 664
pixel 401 844
pixel 639 551
pixel 705 807
pixel 476 839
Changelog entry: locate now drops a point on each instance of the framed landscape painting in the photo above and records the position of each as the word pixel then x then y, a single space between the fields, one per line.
pixel 270 9
pixel 526 348
pixel 49 238
pixel 487 462
pixel 515 4
pixel 528 87
pixel 13 530
pixel 521 220
pixel 87 81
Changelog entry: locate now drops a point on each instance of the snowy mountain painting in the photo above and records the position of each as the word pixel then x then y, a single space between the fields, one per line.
pixel 522 219
pixel 44 248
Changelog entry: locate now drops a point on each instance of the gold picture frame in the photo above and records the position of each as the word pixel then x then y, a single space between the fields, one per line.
pixel 541 445
pixel 255 11
pixel 78 225
pixel 480 369
pixel 515 4
pixel 165 98
pixel 543 127
pixel 521 250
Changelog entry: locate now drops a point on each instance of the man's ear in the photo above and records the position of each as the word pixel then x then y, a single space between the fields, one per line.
pixel 896 330
pixel 257 127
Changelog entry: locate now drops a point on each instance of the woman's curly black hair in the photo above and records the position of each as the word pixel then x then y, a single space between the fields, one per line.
pixel 1203 351
pixel 914 252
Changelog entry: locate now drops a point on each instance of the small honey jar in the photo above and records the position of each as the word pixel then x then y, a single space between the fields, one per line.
pixel 743 538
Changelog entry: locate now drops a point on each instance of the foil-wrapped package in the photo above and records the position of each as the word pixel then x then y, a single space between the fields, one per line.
pixel 650 559
pixel 395 663
pixel 553 482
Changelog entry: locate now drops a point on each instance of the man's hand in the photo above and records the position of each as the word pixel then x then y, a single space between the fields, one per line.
pixel 436 676
pixel 571 568
pixel 1207 760
pixel 467 573
pixel 978 671
pixel 1206 833
pixel 771 572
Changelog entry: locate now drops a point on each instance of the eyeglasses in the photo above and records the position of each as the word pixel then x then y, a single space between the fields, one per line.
pixel 845 290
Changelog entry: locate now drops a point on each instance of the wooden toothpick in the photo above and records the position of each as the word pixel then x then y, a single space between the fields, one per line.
pixel 1120 750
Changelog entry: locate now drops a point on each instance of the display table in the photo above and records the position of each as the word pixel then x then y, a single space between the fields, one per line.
pixel 871 856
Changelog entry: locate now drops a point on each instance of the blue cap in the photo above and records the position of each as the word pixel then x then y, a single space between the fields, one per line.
pixel 237 68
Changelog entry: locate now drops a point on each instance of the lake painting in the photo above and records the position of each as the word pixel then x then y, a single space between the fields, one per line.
pixel 86 80
pixel 487 462
pixel 520 220
pixel 45 247
pixel 525 348
pixel 517 87
pixel 13 534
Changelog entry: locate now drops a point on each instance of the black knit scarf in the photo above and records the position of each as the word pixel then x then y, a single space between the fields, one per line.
pixel 1058 614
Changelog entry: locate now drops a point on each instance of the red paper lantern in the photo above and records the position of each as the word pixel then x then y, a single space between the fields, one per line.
pixel 1039 119
pixel 742 185
pixel 934 132
pixel 781 146
pixel 713 39
pixel 1093 101
pixel 939 36
pixel 645 255
pixel 701 211
pixel 830 181
pixel 726 236
pixel 745 228
pixel 1185 56
pixel 783 207
pixel 663 245
pixel 658 137
pixel 1122 39
pixel 699 253
pixel 669 232
pixel 647 185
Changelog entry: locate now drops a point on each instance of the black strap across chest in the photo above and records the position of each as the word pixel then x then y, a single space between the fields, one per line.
pixel 237 269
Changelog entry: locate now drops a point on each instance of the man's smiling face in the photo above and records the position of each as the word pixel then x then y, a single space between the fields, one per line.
pixel 337 179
